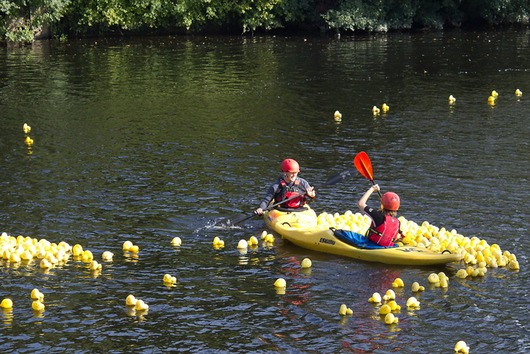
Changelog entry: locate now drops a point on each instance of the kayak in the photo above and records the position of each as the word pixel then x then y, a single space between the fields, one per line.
pixel 300 228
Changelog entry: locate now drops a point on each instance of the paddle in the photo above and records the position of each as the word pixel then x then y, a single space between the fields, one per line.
pixel 239 218
pixel 364 166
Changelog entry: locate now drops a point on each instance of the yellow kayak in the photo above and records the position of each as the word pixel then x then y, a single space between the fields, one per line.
pixel 301 229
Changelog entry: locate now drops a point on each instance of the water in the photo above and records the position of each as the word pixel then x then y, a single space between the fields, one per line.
pixel 151 138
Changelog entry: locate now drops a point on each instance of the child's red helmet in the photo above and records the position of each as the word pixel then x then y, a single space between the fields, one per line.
pixel 390 201
pixel 290 165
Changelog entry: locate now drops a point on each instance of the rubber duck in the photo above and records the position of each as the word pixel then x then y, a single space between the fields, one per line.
pixel 168 279
pixel 263 235
pixel 141 306
pixel 391 319
pixel 269 238
pixel 280 283
pixel 416 287
pixel 37 306
pixel 130 300
pixel 375 110
pixel 37 295
pixel 77 250
pixel 107 256
pixel 87 256
pixel 176 241
pixel 217 242
pixel 26 128
pixel 398 283
pixel 461 347
pixel 29 141
pixel 242 244
pixel 390 295
pixel 252 241
pixel 127 245
pixel 385 309
pixel 518 92
pixel 491 100
pixel 513 265
pixel 345 310
pixel 494 94
pixel 45 264
pixel 413 302
pixel 452 99
pixel 134 249
pixel 376 298
pixel 306 263
pixel 385 107
pixel 94 266
pixel 433 278
pixel 394 306
pixel 6 304
pixel 461 273
pixel 337 116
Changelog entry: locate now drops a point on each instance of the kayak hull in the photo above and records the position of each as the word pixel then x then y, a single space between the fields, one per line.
pixel 301 229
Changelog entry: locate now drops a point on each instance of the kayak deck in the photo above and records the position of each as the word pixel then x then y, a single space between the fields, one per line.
pixel 301 229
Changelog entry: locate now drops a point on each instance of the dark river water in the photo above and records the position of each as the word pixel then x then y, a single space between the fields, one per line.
pixel 148 139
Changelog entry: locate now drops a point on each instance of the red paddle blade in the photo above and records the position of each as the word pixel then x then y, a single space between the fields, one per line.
pixel 363 164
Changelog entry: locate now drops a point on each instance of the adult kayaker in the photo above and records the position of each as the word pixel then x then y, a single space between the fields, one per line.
pixel 287 186
pixel 384 229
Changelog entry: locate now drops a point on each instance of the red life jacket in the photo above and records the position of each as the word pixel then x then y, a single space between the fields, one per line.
pixel 385 234
pixel 291 191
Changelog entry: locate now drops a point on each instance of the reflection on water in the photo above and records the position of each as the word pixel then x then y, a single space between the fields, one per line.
pixel 151 138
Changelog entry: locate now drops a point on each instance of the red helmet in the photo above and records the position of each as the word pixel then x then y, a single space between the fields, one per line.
pixel 290 165
pixel 390 201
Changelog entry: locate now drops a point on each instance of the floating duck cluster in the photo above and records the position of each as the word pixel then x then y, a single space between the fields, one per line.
pixel 169 279
pixel 218 243
pixel 492 99
pixel 28 140
pixel 384 108
pixel 133 303
pixel 474 251
pixel 128 246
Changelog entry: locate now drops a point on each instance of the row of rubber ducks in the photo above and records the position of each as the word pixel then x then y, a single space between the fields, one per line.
pixel 37 305
pixel 337 116
pixel 389 306
pixel 474 251
pixel 491 99
pixel 27 129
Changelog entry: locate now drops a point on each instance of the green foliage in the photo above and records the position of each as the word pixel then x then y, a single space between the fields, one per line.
pixel 20 20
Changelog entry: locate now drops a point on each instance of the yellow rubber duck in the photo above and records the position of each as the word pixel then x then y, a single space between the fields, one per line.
pixel 6 304
pixel 26 128
pixel 461 273
pixel 452 99
pixel 494 94
pixel 168 279
pixel 243 244
pixel 518 92
pixel 29 141
pixel 491 100
pixel 95 266
pixel 107 256
pixel 385 309
pixel 394 306
pixel 45 264
pixel 306 263
pixel 37 306
pixel 280 283
pixel 176 241
pixel 389 295
pixel 37 295
pixel 376 298
pixel 344 310
pixel 385 107
pixel 77 250
pixel 130 300
pixel 433 278
pixel 413 302
pixel 398 283
pixel 416 287
pixel 127 245
pixel 375 110
pixel 461 347
pixel 134 249
pixel 391 319
pixel 141 306
pixel 337 116
pixel 218 243
pixel 252 241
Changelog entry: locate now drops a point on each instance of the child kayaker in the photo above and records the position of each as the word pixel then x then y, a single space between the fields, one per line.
pixel 287 186
pixel 384 229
